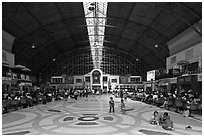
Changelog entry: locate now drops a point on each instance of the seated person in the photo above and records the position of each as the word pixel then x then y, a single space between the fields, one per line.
pixel 163 118
pixel 155 118
pixel 165 104
pixel 168 124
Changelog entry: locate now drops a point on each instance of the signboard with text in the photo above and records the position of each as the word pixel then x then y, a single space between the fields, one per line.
pixel 151 75
pixel 184 79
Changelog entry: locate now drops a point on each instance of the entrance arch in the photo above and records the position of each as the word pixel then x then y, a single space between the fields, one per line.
pixel 96 79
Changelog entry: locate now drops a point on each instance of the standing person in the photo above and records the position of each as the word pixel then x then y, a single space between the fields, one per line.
pixel 122 106
pixel 111 104
pixel 155 98
pixel 121 94
pixel 86 92
pixel 80 93
pixel 66 94
pixel 75 94
pixel 125 96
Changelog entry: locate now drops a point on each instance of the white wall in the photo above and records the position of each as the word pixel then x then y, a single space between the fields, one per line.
pixel 114 77
pixel 107 79
pixel 56 77
pixel 196 56
pixel 113 85
pixel 135 77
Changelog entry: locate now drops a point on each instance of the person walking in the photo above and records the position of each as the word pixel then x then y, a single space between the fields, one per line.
pixel 111 105
pixel 123 107
pixel 121 94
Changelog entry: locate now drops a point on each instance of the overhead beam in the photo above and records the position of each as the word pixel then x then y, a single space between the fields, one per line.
pixel 180 19
pixel 118 27
pixel 125 56
pixel 108 18
pixel 41 26
pixel 126 22
pixel 25 47
pixel 183 5
pixel 126 38
pixel 67 27
pixel 117 49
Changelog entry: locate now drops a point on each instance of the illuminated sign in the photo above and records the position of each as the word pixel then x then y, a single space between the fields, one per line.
pixel 151 75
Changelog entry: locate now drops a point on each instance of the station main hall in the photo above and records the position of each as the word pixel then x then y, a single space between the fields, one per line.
pixel 101 68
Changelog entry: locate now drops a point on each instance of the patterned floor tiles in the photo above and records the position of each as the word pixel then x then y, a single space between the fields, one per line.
pixel 87 116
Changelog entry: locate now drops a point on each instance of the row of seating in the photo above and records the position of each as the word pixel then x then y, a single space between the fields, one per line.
pixel 171 103
pixel 22 103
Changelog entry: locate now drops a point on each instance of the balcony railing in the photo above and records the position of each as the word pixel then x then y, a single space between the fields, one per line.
pixel 171 75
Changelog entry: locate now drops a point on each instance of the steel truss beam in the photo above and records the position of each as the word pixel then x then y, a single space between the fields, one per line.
pixel 117 58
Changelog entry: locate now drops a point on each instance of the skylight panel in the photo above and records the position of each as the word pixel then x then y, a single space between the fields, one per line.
pixel 95 14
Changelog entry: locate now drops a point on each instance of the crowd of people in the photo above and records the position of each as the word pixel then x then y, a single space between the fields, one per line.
pixel 27 98
pixel 183 102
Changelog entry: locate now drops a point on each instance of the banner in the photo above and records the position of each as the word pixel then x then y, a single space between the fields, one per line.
pixel 7 59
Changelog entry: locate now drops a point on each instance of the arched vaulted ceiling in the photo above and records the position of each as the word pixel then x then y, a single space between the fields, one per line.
pixel 135 27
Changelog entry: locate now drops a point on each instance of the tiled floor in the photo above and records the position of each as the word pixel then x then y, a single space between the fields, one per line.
pixel 90 116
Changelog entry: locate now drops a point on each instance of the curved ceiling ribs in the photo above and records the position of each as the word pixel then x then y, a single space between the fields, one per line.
pixel 131 27
pixel 71 54
pixel 79 62
pixel 112 18
pixel 171 12
pixel 136 53
pixel 189 9
pixel 40 25
pixel 117 27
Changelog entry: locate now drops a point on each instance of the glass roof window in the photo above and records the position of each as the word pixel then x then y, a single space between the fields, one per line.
pixel 95 14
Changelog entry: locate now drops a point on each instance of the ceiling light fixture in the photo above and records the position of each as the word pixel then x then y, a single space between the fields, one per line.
pixel 33 46
pixel 156 46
